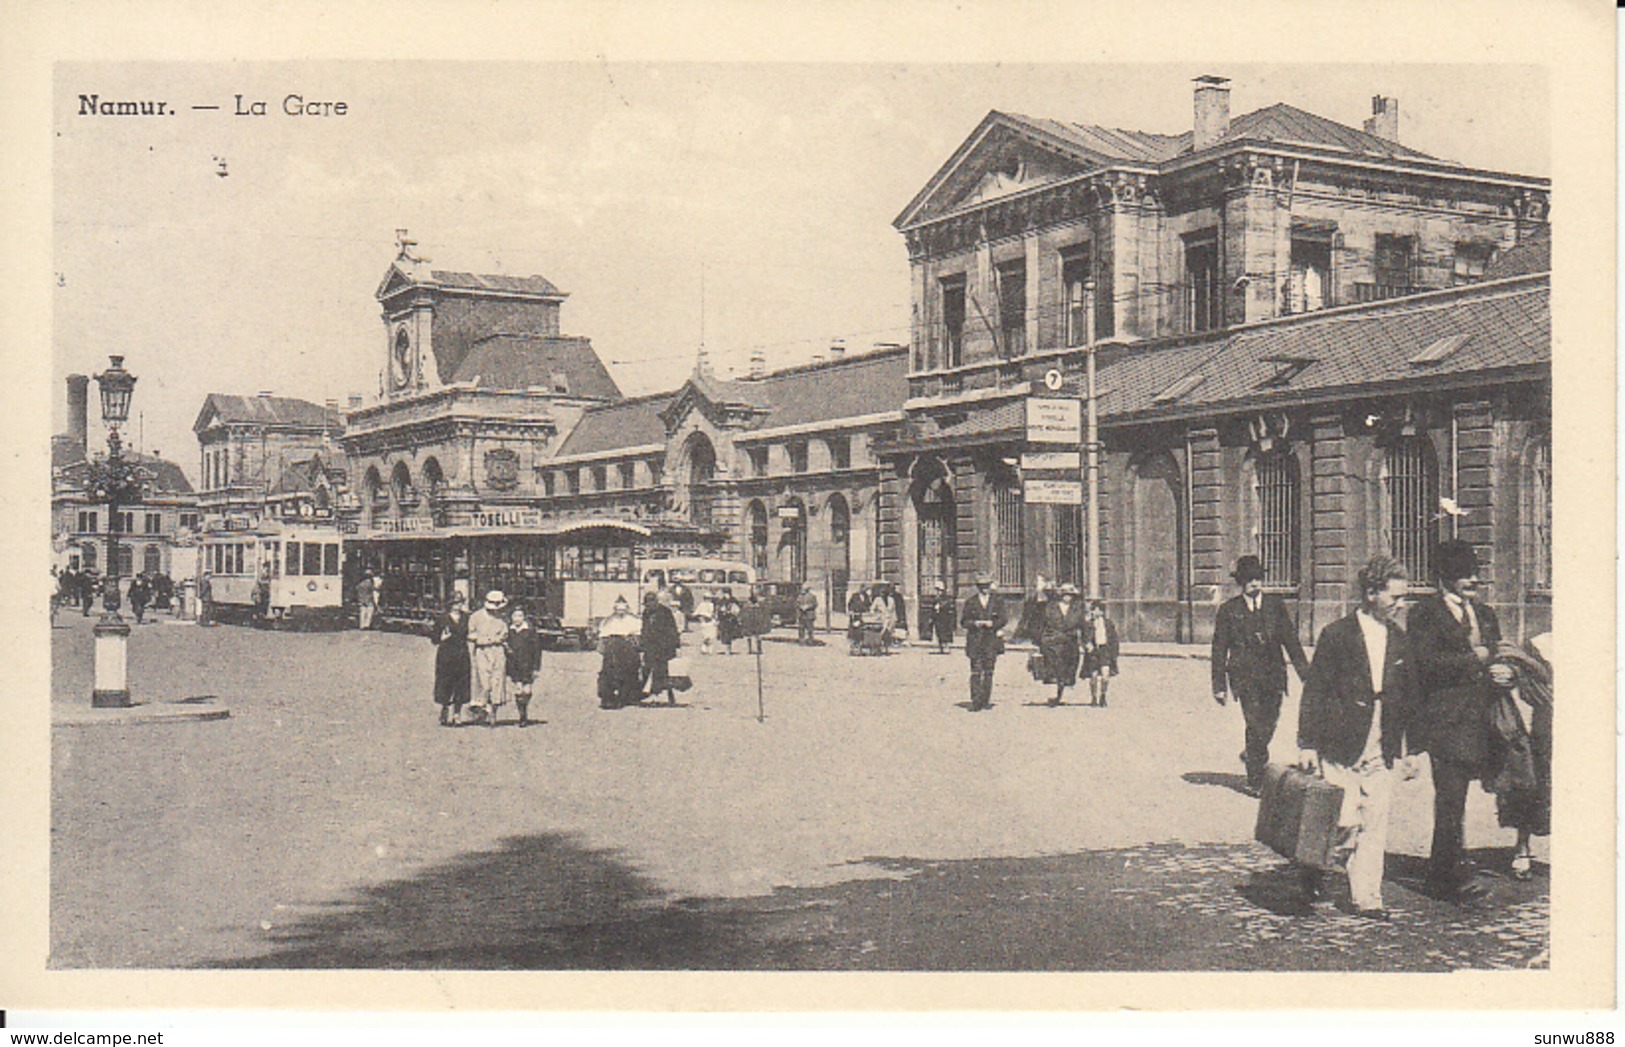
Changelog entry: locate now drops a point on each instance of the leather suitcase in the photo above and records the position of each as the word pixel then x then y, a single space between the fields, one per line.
pixel 1297 816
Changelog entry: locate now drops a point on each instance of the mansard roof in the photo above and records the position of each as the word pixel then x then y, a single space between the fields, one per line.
pixel 1534 255
pixel 528 361
pixel 1284 124
pixel 167 477
pixel 852 387
pixel 404 273
pixel 1428 339
pixel 633 422
pixel 229 409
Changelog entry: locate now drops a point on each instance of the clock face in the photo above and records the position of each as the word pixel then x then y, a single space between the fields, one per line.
pixel 401 359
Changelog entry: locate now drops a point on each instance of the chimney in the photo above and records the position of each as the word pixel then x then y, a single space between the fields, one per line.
pixel 1212 112
pixel 1384 122
pixel 265 394
pixel 355 401
pixel 78 409
pixel 758 364
pixel 837 349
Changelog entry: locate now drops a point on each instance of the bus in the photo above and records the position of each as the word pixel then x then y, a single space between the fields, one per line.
pixel 301 569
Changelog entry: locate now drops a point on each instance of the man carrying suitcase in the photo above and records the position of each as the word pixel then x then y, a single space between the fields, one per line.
pixel 1357 701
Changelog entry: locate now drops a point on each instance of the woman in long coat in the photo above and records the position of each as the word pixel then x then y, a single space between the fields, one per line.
pixel 1060 640
pixel 727 607
pixel 449 634
pixel 944 616
pixel 1521 765
pixel 660 639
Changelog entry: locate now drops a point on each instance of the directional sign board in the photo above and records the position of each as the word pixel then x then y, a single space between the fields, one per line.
pixel 1054 421
pixel 1051 461
pixel 1052 492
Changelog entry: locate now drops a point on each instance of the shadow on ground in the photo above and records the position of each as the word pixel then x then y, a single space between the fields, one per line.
pixel 549 902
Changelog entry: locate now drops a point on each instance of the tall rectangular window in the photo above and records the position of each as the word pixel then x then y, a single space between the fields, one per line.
pixel 1008 538
pixel 840 452
pixel 1074 284
pixel 573 479
pixel 1065 543
pixel 155 523
pixel 1012 279
pixel 547 484
pixel 1537 515
pixel 1309 281
pixel 1410 487
pixel 1205 305
pixel 758 461
pixel 87 521
pixel 1275 497
pixel 953 320
pixel 798 456
pixel 600 478
pixel 1391 265
pixel 629 476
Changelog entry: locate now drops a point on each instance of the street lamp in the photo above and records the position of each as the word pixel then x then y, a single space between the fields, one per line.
pixel 117 483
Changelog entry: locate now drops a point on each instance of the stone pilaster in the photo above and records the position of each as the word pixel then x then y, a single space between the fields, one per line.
pixel 970 554
pixel 889 524
pixel 1329 521
pixel 1473 482
pixel 1206 515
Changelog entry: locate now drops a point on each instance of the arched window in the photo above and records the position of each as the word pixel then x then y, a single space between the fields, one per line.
pixel 1275 509
pixel 1410 494
pixel 88 553
pixel 756 517
pixel 793 541
pixel 937 534
pixel 840 541
pixel 700 464
pixel 1537 514
pixel 400 483
pixel 1008 536
pixel 152 560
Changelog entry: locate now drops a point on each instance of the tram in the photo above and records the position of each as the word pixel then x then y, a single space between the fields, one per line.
pixel 297 570
pixel 566 573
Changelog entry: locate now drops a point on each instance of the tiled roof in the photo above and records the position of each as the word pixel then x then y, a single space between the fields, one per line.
pixel 629 423
pixel 65 451
pixel 492 282
pixel 521 361
pixel 950 425
pixel 1532 256
pixel 862 384
pixel 167 477
pixel 1507 324
pixel 1109 142
pixel 265 410
pixel 1284 124
pixel 1278 123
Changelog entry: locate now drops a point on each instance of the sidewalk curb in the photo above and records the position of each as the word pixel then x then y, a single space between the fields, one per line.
pixel 178 711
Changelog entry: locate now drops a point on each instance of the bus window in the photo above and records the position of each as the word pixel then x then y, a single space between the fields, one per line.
pixel 237 559
pixel 682 574
pixel 293 559
pixel 708 576
pixel 313 557
pixel 738 576
pixel 330 558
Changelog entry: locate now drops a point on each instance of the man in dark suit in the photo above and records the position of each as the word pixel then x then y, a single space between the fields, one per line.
pixel 982 617
pixel 1357 698
pixel 1454 637
pixel 1250 634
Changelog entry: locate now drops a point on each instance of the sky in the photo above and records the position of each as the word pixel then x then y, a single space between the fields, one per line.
pixel 631 186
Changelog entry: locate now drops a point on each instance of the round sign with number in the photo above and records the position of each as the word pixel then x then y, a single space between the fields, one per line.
pixel 1053 379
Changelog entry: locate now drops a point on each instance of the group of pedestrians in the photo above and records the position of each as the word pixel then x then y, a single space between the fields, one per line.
pixel 1378 693
pixel 152 590
pixel 483 658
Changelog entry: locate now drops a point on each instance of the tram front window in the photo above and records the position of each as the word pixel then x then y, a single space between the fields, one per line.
pixel 293 559
pixel 330 559
pixel 313 558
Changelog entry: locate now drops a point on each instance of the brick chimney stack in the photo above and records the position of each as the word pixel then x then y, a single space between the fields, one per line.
pixel 1384 122
pixel 79 409
pixel 758 364
pixel 1212 112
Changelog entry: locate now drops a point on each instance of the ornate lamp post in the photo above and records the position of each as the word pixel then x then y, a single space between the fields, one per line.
pixel 117 483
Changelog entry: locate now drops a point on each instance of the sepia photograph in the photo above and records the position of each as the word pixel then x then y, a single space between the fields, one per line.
pixel 940 517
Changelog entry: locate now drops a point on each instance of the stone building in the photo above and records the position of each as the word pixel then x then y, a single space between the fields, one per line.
pixel 149 534
pixel 252 448
pixel 1313 343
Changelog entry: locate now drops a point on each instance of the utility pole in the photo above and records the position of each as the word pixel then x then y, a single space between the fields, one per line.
pixel 1091 440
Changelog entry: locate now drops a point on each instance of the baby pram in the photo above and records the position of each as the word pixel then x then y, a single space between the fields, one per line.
pixel 869 635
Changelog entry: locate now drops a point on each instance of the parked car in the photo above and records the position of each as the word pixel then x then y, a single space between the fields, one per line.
pixel 780 600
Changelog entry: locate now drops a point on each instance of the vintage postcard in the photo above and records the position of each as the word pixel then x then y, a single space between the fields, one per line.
pixel 575 511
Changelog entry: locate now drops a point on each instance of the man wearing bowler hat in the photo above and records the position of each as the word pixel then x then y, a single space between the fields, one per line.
pixel 982 617
pixel 1454 638
pixel 1250 635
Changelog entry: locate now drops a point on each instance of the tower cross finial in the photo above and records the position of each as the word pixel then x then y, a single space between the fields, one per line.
pixel 404 243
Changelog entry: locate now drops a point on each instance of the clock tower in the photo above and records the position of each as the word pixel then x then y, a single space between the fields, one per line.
pixel 409 306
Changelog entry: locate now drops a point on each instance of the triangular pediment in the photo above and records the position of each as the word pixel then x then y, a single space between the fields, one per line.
pixel 1005 155
pixel 723 403
pixel 394 280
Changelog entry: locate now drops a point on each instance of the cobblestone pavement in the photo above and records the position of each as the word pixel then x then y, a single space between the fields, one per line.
pixel 867 822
